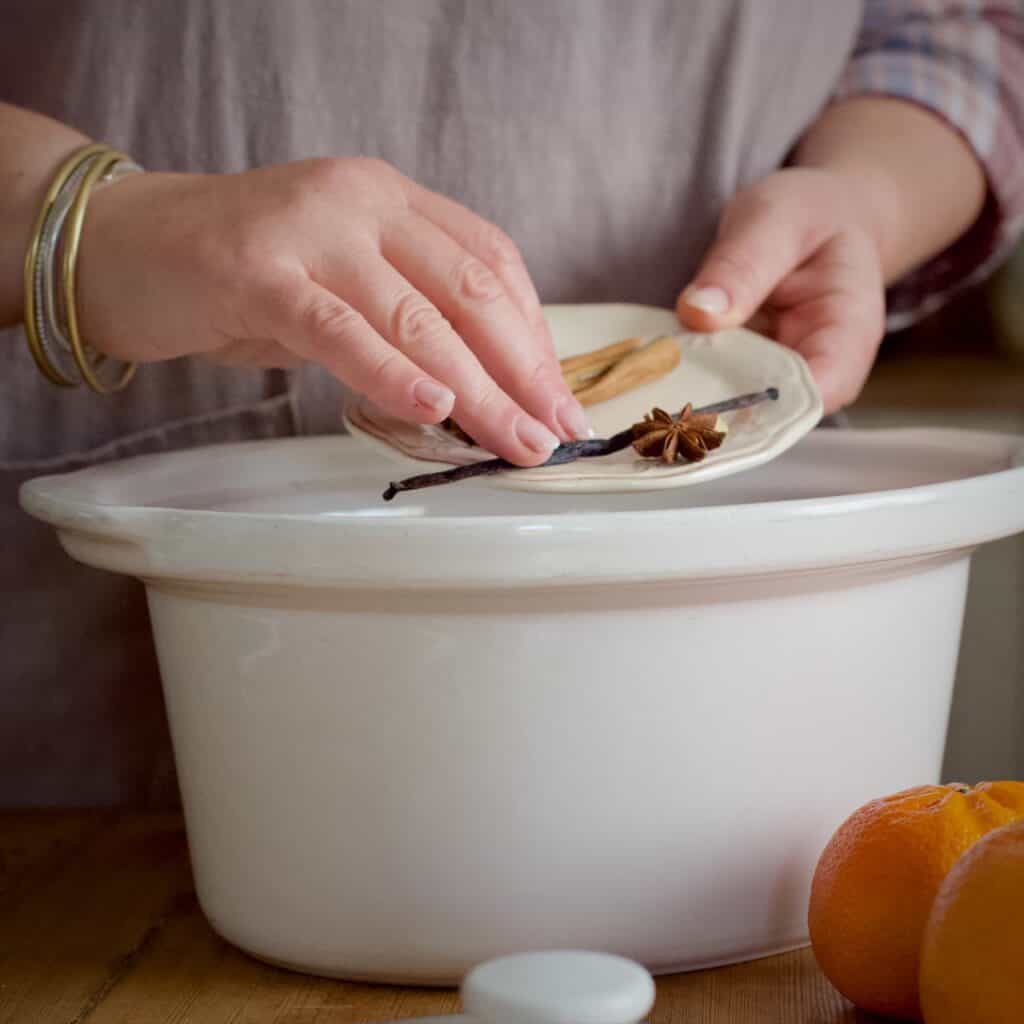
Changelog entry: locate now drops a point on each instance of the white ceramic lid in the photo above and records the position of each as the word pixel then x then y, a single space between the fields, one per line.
pixel 308 512
pixel 712 367
pixel 558 987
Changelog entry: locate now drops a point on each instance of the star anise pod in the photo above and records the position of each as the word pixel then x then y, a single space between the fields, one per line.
pixel 687 437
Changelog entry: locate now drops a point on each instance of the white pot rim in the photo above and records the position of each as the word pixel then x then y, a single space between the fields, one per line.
pixel 108 518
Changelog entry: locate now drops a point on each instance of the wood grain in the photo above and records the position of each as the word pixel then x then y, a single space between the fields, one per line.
pixel 99 923
pixel 36 844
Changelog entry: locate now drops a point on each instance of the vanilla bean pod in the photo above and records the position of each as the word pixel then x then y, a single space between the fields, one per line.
pixel 564 453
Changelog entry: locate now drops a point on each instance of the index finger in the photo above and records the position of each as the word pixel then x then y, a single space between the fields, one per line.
pixel 474 301
pixel 492 247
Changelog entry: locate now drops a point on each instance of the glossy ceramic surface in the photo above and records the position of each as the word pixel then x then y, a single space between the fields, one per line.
pixel 558 987
pixel 413 737
pixel 712 368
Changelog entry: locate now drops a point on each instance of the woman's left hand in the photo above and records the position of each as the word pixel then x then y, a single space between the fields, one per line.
pixel 794 260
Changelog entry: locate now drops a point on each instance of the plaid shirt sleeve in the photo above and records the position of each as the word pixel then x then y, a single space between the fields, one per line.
pixel 963 60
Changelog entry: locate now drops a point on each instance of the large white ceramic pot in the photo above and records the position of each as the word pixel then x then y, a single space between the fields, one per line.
pixel 411 737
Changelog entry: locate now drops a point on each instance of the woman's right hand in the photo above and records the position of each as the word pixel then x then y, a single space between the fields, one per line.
pixel 402 294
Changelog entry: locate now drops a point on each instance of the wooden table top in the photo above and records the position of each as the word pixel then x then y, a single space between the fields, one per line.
pixel 99 923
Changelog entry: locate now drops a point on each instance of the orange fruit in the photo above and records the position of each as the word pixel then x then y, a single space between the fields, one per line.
pixel 972 957
pixel 878 876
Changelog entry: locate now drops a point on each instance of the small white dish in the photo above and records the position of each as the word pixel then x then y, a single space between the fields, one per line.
pixel 559 986
pixel 713 367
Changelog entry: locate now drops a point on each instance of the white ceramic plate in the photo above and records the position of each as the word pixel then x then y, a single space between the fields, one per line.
pixel 713 367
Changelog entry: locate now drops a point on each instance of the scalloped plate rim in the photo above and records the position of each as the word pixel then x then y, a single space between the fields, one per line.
pixel 647 475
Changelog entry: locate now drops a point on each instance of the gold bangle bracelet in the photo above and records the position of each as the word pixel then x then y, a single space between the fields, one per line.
pixel 35 344
pixel 69 265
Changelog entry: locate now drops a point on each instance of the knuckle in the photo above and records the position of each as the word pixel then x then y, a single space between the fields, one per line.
pixel 749 206
pixel 257 258
pixel 351 175
pixel 473 282
pixel 488 403
pixel 368 173
pixel 274 294
pixel 834 308
pixel 371 166
pixel 325 173
pixel 496 249
pixel 775 223
pixel 382 372
pixel 739 268
pixel 767 206
pixel 539 325
pixel 538 374
pixel 415 323
pixel 329 323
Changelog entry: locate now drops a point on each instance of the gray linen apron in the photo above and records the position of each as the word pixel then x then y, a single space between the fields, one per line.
pixel 603 135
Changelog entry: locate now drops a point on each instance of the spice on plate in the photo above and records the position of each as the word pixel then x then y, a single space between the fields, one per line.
pixel 581 371
pixel 638 367
pixel 607 372
pixel 569 452
pixel 687 437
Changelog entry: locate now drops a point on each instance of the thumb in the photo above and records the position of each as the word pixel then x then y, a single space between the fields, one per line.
pixel 763 237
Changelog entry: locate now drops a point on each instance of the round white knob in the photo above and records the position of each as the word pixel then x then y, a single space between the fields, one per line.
pixel 558 987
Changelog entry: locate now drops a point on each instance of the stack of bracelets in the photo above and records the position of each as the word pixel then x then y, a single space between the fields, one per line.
pixel 51 320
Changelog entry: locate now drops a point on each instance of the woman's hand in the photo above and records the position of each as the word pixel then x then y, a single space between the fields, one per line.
pixel 400 293
pixel 794 259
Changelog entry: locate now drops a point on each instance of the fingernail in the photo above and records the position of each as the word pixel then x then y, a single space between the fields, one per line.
pixel 535 436
pixel 433 396
pixel 573 419
pixel 709 299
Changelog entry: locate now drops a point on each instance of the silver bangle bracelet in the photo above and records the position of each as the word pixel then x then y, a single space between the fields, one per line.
pixel 49 317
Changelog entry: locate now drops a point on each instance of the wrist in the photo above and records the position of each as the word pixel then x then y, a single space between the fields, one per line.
pixel 107 242
pixel 911 178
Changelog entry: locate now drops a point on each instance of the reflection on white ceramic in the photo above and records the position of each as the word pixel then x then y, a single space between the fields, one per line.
pixel 712 368
pixel 507 721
